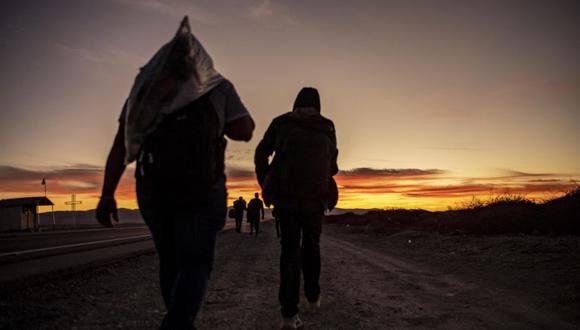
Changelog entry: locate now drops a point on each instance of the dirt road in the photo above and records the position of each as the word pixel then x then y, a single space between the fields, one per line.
pixel 362 288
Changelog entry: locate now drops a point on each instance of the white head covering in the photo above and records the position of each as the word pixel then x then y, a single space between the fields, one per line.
pixel 178 74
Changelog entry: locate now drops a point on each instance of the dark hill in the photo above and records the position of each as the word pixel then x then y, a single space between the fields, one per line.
pixel 560 216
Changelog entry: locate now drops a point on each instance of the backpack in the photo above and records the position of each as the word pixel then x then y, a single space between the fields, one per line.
pixel 254 208
pixel 183 158
pixel 304 152
pixel 239 205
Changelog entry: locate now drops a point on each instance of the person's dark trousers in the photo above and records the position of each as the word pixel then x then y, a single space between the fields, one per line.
pixel 185 240
pixel 254 224
pixel 299 256
pixel 239 223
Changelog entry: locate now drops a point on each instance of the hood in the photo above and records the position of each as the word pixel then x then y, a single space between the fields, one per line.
pixel 178 74
pixel 307 98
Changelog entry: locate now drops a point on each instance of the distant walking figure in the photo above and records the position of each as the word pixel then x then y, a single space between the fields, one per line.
pixel 239 208
pixel 173 124
pixel 255 207
pixel 300 185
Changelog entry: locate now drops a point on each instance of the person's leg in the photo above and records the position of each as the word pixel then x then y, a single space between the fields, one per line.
pixel 251 221
pixel 159 221
pixel 238 224
pixel 165 247
pixel 195 245
pixel 257 224
pixel 311 229
pixel 195 234
pixel 289 291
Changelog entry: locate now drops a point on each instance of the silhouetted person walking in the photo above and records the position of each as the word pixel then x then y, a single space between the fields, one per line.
pixel 255 208
pixel 239 208
pixel 298 183
pixel 173 125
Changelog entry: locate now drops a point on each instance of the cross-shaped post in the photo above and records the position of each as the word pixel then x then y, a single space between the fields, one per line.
pixel 73 205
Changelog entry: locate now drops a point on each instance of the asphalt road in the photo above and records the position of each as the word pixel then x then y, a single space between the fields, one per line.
pixel 31 241
pixel 27 258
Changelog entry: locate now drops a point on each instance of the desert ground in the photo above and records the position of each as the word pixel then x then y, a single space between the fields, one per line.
pixel 371 279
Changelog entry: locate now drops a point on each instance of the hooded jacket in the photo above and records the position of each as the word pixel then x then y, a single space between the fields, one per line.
pixel 306 109
pixel 178 74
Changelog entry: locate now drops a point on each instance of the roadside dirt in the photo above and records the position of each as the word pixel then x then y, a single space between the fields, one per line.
pixel 404 281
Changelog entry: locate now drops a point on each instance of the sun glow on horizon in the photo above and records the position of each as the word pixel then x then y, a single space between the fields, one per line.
pixel 361 188
pixel 348 200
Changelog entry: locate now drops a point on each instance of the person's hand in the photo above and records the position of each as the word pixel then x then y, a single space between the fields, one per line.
pixel 106 208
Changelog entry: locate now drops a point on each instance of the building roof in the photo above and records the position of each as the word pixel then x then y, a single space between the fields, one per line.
pixel 26 201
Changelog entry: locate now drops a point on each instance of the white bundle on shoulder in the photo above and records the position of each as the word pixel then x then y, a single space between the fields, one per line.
pixel 178 74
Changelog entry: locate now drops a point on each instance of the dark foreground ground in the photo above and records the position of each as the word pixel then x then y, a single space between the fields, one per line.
pixel 406 280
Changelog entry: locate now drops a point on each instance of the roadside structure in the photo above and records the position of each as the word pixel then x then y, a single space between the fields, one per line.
pixel 20 214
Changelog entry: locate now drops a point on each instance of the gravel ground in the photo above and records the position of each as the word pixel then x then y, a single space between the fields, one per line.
pixel 543 271
pixel 404 281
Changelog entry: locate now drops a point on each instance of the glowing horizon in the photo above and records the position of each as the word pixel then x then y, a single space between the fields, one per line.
pixel 434 102
pixel 360 188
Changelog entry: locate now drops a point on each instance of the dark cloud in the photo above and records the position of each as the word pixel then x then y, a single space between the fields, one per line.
pixel 390 172
pixel 519 174
pixel 17 173
pixel 410 183
pixel 81 178
pixel 545 180
pixel 355 184
pixel 458 190
pixel 87 179
pixel 461 190
pixel 234 172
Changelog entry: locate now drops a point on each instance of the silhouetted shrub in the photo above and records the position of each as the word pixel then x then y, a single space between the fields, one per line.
pixel 503 214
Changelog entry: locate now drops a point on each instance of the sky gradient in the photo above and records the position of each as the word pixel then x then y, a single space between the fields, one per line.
pixel 434 102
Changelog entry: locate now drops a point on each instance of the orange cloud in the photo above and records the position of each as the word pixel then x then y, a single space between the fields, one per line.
pixel 359 187
pixel 84 180
pixel 436 189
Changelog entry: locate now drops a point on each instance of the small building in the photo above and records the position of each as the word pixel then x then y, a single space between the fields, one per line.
pixel 17 214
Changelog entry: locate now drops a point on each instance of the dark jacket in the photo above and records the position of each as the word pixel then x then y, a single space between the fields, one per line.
pixel 240 207
pixel 255 207
pixel 274 137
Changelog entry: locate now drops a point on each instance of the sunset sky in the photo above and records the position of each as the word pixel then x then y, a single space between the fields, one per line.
pixel 434 102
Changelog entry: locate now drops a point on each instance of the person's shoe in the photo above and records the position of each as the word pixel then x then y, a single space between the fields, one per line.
pixel 315 305
pixel 294 322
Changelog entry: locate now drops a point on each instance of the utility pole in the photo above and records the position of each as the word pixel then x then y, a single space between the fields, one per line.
pixel 37 225
pixel 73 205
pixel 52 206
